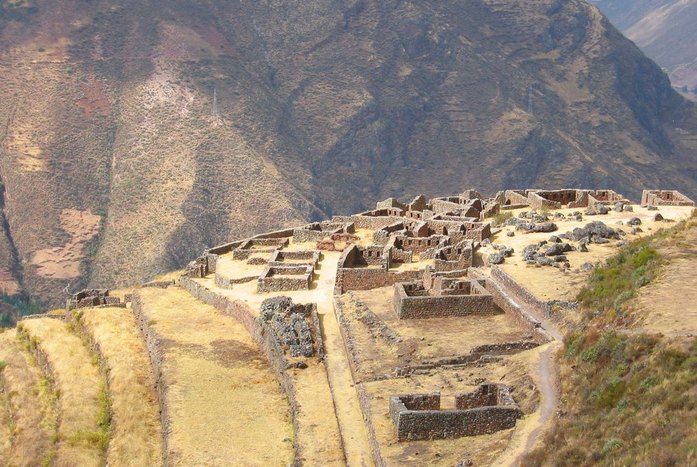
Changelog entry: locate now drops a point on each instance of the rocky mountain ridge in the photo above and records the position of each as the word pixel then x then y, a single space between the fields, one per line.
pixel 135 133
pixel 665 31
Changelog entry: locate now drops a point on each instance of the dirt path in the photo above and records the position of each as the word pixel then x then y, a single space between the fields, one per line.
pixel 354 433
pixel 546 378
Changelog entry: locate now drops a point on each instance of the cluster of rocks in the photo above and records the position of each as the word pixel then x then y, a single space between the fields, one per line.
pixel 574 216
pixel 622 207
pixel 552 252
pixel 292 325
pixel 548 253
pixel 597 209
pixel 594 232
pixel 502 252
pixel 531 222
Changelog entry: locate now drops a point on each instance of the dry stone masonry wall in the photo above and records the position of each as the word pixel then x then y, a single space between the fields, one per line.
pixel 488 409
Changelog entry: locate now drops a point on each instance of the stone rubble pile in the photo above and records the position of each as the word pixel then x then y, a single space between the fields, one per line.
pixel 291 324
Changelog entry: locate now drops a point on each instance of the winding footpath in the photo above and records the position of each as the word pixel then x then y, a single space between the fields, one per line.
pixel 547 380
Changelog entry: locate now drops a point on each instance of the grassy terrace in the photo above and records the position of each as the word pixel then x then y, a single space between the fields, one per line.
pixel 223 403
pixel 628 394
pixel 136 437
pixel 72 374
pixel 30 411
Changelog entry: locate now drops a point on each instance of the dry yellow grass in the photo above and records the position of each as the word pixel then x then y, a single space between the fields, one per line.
pixel 318 429
pixel 5 417
pixel 224 404
pixel 662 309
pixel 348 411
pixel 33 415
pixel 136 436
pixel 80 391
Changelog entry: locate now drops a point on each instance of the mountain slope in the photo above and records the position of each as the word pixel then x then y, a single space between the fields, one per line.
pixel 117 161
pixel 665 30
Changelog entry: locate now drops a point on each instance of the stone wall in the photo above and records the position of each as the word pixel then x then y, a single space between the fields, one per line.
pixel 92 298
pixel 421 306
pixel 281 257
pixel 227 283
pixel 373 222
pixel 418 244
pixel 153 344
pixel 664 198
pixel 443 205
pixel 418 416
pixel 510 296
pixel 320 230
pixel 280 278
pixel 283 233
pixel 381 236
pixel 370 278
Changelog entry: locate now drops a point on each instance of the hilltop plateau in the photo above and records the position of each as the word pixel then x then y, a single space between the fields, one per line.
pixel 459 330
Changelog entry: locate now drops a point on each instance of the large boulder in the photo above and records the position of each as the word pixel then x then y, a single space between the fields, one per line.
pixel 557 249
pixel 594 230
pixel 496 258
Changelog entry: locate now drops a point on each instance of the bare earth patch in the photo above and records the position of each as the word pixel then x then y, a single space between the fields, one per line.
pixel 64 262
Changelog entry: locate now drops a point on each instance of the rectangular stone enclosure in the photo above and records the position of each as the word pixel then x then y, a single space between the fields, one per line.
pixel 461 298
pixel 280 278
pixel 488 409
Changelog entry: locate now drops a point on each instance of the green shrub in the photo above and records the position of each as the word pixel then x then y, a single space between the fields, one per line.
pixel 611 285
pixel 501 218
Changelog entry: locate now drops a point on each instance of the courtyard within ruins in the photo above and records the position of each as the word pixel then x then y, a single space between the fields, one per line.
pixel 419 332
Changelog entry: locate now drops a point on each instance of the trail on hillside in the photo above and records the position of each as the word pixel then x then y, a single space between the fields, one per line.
pixel 547 380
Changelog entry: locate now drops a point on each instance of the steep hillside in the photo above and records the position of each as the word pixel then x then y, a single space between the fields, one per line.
pixel 134 133
pixel 665 30
pixel 628 368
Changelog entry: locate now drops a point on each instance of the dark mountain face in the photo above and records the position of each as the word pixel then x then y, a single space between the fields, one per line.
pixel 134 133
pixel 665 30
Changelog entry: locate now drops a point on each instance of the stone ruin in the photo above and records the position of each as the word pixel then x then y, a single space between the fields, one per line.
pixel 665 198
pixel 290 277
pixel 288 270
pixel 556 199
pixel 318 231
pixel 92 298
pixel 197 268
pixel 295 327
pixel 258 245
pixel 442 297
pixel 336 242
pixel 487 409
